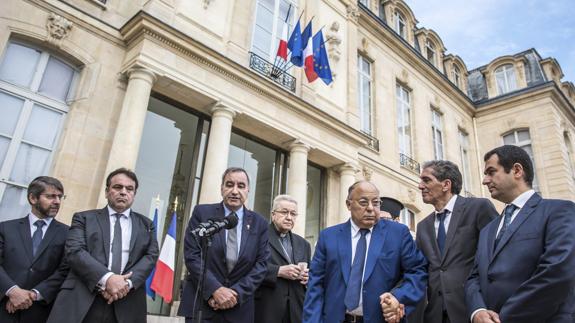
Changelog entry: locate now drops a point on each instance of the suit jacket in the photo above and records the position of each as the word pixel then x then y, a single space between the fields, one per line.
pixel 448 273
pixel 87 252
pixel 392 256
pixel 44 272
pixel 245 277
pixel 530 276
pixel 275 294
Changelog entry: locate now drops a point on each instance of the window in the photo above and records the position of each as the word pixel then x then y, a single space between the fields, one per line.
pixel 430 51
pixel 400 28
pixel 456 75
pixel 270 17
pixel 403 120
pixel 464 155
pixel 505 79
pixel 569 149
pixel 407 217
pixel 314 202
pixel 364 94
pixel 521 138
pixel 437 134
pixel 34 88
pixel 364 2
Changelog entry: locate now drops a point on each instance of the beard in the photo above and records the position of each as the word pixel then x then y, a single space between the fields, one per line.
pixel 46 212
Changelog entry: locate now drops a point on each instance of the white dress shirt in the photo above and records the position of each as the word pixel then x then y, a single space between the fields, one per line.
pixel 355 235
pixel 126 223
pixel 449 207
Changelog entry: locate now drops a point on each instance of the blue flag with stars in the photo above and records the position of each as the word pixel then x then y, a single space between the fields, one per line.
pixel 321 60
pixel 295 46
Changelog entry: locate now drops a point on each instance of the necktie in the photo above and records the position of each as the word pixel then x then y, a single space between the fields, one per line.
pixel 117 246
pixel 287 246
pixel 441 235
pixel 353 290
pixel 37 236
pixel 508 212
pixel 232 248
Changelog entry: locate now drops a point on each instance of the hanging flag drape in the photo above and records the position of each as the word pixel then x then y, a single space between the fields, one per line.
pixel 308 53
pixel 149 290
pixel 321 60
pixel 163 281
pixel 295 45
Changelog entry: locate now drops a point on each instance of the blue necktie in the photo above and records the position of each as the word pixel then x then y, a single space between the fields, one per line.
pixel 353 290
pixel 441 235
pixel 37 236
pixel 508 212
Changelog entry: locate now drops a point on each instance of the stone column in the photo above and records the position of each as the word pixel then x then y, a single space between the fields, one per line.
pixel 346 179
pixel 297 182
pixel 126 142
pixel 217 153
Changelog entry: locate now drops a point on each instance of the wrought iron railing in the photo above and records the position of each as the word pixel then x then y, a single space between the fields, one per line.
pixel 409 163
pixel 274 73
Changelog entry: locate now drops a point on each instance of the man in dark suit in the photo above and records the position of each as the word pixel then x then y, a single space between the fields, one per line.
pixel 280 297
pixel 32 265
pixel 448 239
pixel 237 258
pixel 111 252
pixel 357 266
pixel 523 271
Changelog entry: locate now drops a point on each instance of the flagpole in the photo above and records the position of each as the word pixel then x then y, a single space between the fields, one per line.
pixel 288 60
pixel 285 25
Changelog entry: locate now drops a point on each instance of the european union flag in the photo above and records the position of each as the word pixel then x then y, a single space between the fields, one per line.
pixel 321 60
pixel 295 46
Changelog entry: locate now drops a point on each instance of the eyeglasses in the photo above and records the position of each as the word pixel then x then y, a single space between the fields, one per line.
pixel 365 203
pixel 61 197
pixel 285 212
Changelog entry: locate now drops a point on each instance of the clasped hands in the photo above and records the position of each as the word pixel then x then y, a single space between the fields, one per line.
pixel 294 272
pixel 392 310
pixel 223 298
pixel 117 287
pixel 19 299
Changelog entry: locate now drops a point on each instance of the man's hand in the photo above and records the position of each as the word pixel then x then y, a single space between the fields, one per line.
pixel 116 287
pixel 304 276
pixel 224 298
pixel 392 310
pixel 486 316
pixel 291 272
pixel 19 299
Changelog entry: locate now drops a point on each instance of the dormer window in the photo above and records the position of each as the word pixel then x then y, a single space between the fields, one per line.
pixel 456 75
pixel 505 79
pixel 430 51
pixel 400 26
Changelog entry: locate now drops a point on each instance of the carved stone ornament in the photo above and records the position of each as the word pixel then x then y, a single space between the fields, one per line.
pixel 411 195
pixel 334 50
pixel 207 3
pixel 58 28
pixel 367 173
pixel 353 12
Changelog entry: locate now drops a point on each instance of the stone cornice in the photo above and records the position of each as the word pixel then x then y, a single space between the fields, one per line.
pixel 146 27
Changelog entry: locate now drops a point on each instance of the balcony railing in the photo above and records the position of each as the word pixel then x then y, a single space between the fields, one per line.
pixel 274 73
pixel 409 163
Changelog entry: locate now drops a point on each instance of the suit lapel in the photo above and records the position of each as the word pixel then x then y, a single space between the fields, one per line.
pixel 51 232
pixel 220 237
pixel 456 215
pixel 376 242
pixel 26 235
pixel 298 249
pixel 275 243
pixel 344 247
pixel 429 229
pixel 103 219
pixel 137 230
pixel 523 214
pixel 246 229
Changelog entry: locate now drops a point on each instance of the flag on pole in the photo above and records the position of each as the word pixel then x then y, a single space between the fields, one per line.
pixel 149 290
pixel 321 60
pixel 163 282
pixel 295 45
pixel 308 56
pixel 283 46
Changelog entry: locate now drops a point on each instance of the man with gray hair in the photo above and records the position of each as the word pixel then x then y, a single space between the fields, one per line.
pixel 280 297
pixel 448 239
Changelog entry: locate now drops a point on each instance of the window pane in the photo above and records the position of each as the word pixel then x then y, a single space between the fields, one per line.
pixel 509 139
pixel 4 143
pixel 30 163
pixel 19 64
pixel 313 205
pixel 11 107
pixel 42 127
pixel 14 203
pixel 523 135
pixel 57 79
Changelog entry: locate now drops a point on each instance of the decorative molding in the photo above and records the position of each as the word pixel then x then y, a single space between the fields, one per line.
pixel 352 12
pixel 334 50
pixel 367 173
pixel 58 28
pixel 207 3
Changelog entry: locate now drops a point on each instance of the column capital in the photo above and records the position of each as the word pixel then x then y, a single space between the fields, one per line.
pixel 142 73
pixel 219 109
pixel 347 169
pixel 298 145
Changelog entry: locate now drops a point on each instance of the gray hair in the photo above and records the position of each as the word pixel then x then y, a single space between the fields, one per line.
pixel 444 169
pixel 281 198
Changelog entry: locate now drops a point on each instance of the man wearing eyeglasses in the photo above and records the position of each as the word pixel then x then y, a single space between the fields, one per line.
pixel 31 256
pixel 280 297
pixel 364 269
pixel 111 252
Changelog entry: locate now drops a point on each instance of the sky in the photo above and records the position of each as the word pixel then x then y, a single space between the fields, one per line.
pixel 482 30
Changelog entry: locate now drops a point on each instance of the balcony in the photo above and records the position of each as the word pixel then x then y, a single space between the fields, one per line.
pixel 274 73
pixel 409 163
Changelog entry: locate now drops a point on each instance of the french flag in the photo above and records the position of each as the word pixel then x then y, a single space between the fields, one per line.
pixel 283 46
pixel 308 55
pixel 163 282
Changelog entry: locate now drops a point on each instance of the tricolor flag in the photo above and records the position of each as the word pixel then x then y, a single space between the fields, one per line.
pixel 308 53
pixel 163 282
pixel 321 60
pixel 282 47
pixel 295 45
pixel 149 290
